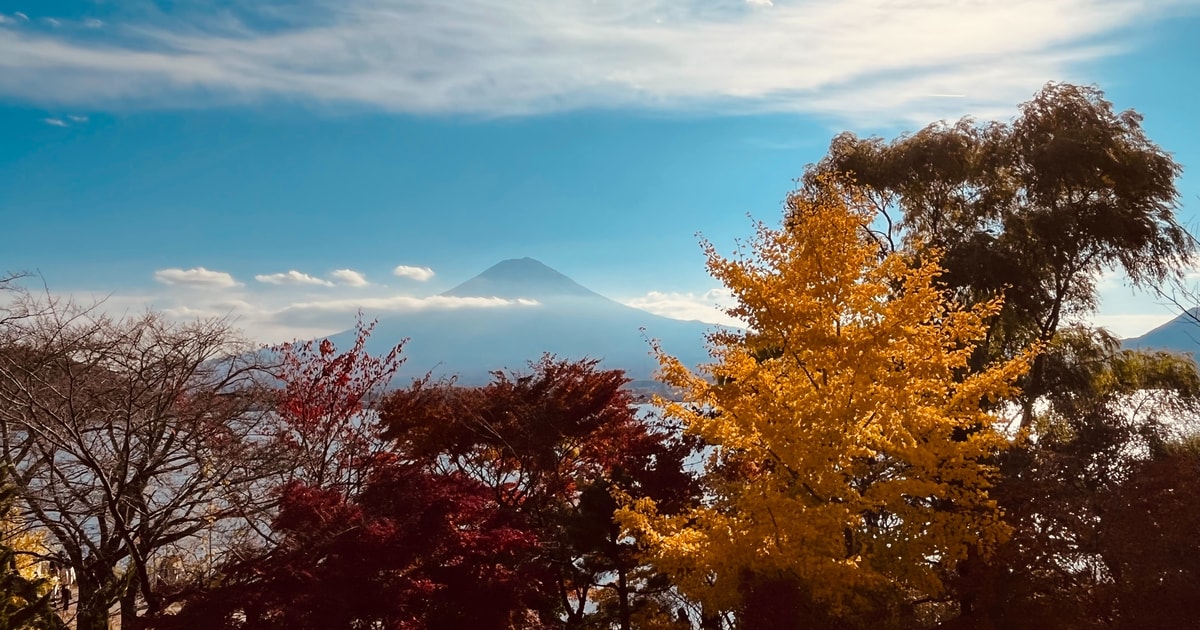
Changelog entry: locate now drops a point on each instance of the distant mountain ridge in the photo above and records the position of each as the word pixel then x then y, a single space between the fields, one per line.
pixel 1181 334
pixel 556 315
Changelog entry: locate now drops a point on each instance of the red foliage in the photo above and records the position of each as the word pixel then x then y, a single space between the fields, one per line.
pixel 468 511
pixel 321 421
pixel 413 550
pixel 532 437
pixel 550 445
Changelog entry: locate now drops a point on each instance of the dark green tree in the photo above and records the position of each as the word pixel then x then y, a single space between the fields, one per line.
pixel 1034 209
pixel 1149 543
pixel 1097 502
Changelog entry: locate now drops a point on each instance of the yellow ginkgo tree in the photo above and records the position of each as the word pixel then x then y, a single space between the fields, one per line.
pixel 849 444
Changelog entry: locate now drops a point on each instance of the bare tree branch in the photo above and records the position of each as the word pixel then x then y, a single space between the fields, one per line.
pixel 129 440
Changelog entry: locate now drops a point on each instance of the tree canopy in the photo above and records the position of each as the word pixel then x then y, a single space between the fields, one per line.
pixel 850 455
pixel 1033 210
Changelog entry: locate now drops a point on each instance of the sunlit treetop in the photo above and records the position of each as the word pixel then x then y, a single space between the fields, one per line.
pixel 849 441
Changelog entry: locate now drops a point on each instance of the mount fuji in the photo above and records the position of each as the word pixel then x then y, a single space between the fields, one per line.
pixel 548 312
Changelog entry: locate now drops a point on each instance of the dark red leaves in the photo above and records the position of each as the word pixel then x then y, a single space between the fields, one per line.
pixel 414 550
pixel 320 407
pixel 474 508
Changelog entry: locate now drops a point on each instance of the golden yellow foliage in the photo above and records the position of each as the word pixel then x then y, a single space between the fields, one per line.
pixel 27 545
pixel 849 444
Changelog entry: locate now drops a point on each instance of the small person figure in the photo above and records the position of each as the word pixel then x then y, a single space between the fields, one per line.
pixel 66 596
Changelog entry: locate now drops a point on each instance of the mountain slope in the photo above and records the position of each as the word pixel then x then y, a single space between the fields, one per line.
pixel 521 278
pixel 558 316
pixel 1181 334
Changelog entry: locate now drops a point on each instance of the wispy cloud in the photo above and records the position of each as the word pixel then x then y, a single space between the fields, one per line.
pixel 65 121
pixel 420 274
pixel 349 277
pixel 196 277
pixel 295 305
pixel 334 314
pixel 1129 311
pixel 343 277
pixel 1125 325
pixel 274 316
pixel 708 306
pixel 292 277
pixel 401 304
pixel 846 59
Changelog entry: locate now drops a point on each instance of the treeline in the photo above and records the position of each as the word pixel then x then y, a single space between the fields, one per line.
pixel 915 431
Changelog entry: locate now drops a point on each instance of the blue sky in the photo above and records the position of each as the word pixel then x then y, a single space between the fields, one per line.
pixel 288 162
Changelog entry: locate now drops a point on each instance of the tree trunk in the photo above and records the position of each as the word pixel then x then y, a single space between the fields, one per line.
pixel 770 603
pixel 91 612
pixel 623 600
pixel 129 616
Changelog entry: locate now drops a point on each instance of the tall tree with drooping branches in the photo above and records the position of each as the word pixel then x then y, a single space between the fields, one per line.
pixel 1033 210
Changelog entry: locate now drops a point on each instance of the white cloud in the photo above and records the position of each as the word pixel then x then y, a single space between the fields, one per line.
pixel 1129 325
pixel 854 58
pixel 1191 270
pixel 402 304
pixel 66 120
pixel 196 277
pixel 760 3
pixel 349 277
pixel 272 321
pixel 52 22
pixel 184 312
pixel 292 277
pixel 420 274
pixel 4 19
pixel 93 23
pixel 705 307
pixel 278 314
pixel 21 16
pixel 335 314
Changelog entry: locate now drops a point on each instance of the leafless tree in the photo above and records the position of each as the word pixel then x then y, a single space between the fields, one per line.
pixel 14 302
pixel 128 439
